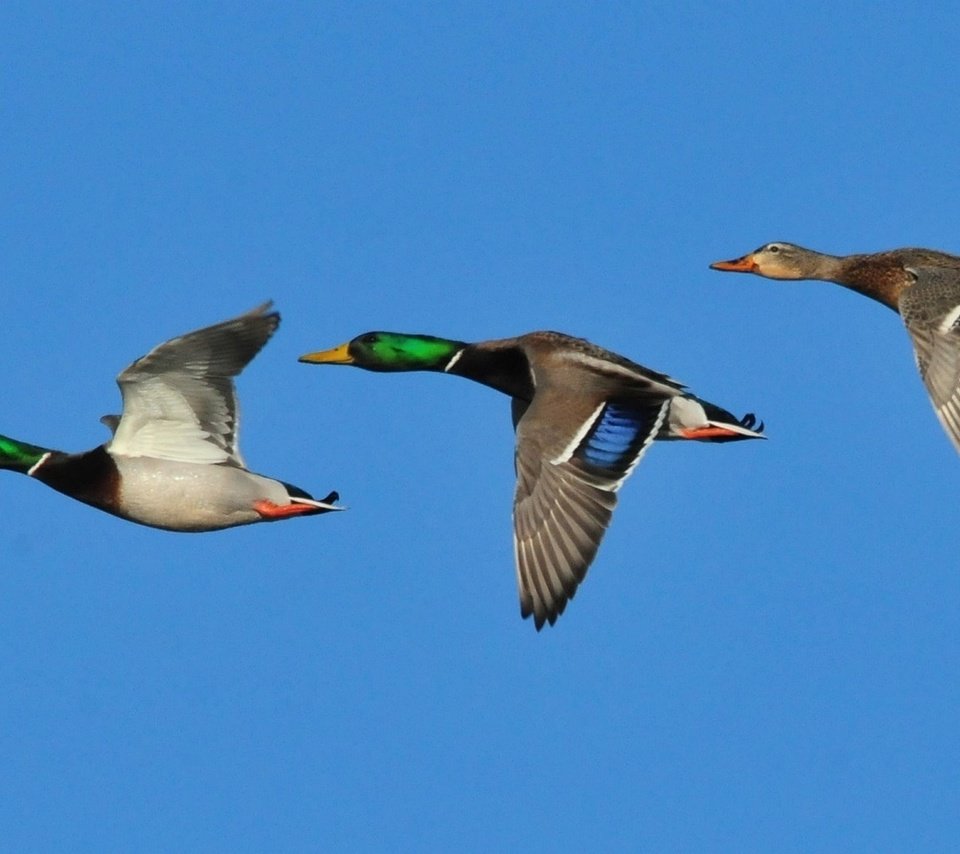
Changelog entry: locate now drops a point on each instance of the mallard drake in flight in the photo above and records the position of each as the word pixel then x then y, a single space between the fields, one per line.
pixel 173 461
pixel 583 417
pixel 922 285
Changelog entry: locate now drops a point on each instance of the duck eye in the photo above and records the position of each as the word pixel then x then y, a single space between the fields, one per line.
pixel 369 338
pixel 774 248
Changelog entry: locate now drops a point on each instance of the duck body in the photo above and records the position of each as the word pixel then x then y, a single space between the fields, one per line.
pixel 930 309
pixel 583 416
pixel 560 366
pixel 921 285
pixel 167 494
pixel 885 276
pixel 173 462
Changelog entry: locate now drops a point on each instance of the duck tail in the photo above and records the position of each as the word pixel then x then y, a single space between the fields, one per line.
pixel 324 505
pixel 693 418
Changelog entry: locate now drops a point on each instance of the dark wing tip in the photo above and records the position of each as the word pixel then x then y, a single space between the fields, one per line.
pixel 548 616
pixel 262 313
pixel 263 308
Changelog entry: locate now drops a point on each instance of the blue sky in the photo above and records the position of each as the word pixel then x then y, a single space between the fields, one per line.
pixel 764 655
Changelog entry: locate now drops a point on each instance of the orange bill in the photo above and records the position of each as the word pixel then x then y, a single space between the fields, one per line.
pixel 746 264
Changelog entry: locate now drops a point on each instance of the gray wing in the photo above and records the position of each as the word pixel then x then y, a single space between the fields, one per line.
pixel 568 474
pixel 930 308
pixel 179 401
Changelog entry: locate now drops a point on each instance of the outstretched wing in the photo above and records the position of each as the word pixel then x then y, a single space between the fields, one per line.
pixel 931 312
pixel 566 490
pixel 179 401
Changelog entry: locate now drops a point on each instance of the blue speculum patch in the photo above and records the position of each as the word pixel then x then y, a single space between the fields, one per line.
pixel 616 437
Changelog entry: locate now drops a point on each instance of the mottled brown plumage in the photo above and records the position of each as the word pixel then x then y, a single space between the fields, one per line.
pixel 921 285
pixel 882 276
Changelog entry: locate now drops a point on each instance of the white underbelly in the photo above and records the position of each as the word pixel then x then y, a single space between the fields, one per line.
pixel 191 496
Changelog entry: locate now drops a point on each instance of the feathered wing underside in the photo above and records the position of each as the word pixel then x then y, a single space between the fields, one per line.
pixel 937 348
pixel 566 493
pixel 179 401
pixel 930 307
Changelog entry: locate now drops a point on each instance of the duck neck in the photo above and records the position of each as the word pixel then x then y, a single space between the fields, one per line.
pixel 827 268
pixel 505 369
pixel 871 277
pixel 20 456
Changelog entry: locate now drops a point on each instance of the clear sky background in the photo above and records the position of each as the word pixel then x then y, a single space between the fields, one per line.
pixel 764 655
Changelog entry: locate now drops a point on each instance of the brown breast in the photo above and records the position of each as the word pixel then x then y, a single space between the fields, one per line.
pixel 91 477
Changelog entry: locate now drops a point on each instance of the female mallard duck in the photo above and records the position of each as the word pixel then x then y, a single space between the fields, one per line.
pixel 922 285
pixel 583 417
pixel 173 461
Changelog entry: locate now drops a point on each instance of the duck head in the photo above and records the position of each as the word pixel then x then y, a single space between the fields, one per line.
pixel 390 351
pixel 777 260
pixel 19 456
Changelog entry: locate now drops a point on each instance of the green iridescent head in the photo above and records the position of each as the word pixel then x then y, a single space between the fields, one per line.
pixel 390 351
pixel 19 456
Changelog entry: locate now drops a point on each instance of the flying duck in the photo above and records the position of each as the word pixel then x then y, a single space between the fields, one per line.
pixel 583 417
pixel 921 285
pixel 173 460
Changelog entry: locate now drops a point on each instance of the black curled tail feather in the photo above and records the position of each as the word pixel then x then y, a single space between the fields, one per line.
pixel 750 422
pixel 720 415
pixel 297 492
